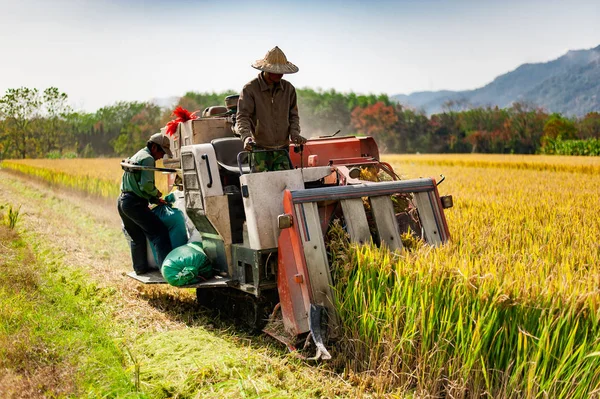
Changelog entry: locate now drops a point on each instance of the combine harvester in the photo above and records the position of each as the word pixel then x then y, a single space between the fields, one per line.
pixel 264 233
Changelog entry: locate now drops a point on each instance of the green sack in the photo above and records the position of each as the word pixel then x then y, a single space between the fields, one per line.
pixel 174 221
pixel 187 264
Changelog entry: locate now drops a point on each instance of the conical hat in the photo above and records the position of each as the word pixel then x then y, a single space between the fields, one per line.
pixel 275 62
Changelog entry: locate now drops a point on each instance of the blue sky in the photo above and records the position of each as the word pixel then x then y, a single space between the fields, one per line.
pixel 103 51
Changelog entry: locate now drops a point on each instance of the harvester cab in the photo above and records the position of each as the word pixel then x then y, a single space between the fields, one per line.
pixel 265 233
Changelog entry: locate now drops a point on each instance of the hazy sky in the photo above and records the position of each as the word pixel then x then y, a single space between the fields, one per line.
pixel 103 51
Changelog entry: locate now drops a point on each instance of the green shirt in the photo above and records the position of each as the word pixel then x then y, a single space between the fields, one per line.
pixel 141 183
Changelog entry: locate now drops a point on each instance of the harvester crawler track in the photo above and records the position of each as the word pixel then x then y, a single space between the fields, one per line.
pixel 245 310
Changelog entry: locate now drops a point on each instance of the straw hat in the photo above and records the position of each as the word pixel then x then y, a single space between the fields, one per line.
pixel 275 62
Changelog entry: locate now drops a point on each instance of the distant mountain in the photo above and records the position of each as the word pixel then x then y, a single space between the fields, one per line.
pixel 569 85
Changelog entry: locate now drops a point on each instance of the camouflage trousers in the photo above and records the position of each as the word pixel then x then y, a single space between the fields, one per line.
pixel 269 161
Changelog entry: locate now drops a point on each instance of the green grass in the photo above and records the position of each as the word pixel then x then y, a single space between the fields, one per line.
pixel 189 363
pixel 54 337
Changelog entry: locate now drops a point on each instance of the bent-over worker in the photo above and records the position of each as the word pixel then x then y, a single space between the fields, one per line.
pixel 137 191
pixel 267 116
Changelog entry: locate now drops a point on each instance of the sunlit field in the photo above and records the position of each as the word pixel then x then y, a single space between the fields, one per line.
pixel 98 177
pixel 556 163
pixel 509 308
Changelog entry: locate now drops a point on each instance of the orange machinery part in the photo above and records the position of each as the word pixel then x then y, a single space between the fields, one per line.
pixel 292 275
pixel 320 151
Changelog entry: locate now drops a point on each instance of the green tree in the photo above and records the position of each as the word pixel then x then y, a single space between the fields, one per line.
pixel 589 126
pixel 447 134
pixel 80 127
pixel 122 119
pixel 485 129
pixel 194 101
pixel 19 107
pixel 526 126
pixel 135 132
pixel 54 127
pixel 560 128
pixel 323 113
pixel 3 136
pixel 413 131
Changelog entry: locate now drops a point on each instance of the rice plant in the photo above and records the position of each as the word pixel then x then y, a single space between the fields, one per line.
pixel 12 217
pixel 98 177
pixel 509 308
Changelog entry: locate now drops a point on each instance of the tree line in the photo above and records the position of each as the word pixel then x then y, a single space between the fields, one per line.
pixel 519 129
pixel 42 124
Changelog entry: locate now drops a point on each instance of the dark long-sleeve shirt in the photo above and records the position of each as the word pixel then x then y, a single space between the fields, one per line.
pixel 268 113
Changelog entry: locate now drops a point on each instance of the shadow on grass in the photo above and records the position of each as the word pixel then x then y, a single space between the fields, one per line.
pixel 180 305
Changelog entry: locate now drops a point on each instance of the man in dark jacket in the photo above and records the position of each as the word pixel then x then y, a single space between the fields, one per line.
pixel 267 116
pixel 137 191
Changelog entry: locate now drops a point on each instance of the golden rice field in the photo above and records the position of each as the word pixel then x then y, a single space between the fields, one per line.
pixel 509 308
pixel 536 229
pixel 556 163
pixel 99 176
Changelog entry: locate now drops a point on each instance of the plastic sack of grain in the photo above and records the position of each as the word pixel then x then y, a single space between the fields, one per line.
pixel 187 264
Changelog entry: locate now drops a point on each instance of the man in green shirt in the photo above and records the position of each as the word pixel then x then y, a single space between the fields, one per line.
pixel 137 191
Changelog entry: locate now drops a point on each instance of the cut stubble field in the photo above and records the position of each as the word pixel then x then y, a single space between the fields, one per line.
pixel 509 308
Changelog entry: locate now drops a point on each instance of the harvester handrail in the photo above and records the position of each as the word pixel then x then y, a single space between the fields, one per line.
pixel 363 190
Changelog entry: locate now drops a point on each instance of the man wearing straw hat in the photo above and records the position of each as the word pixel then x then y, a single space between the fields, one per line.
pixel 267 116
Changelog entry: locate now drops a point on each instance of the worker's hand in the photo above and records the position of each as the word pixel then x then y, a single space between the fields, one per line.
pixel 248 144
pixel 157 201
pixel 298 139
